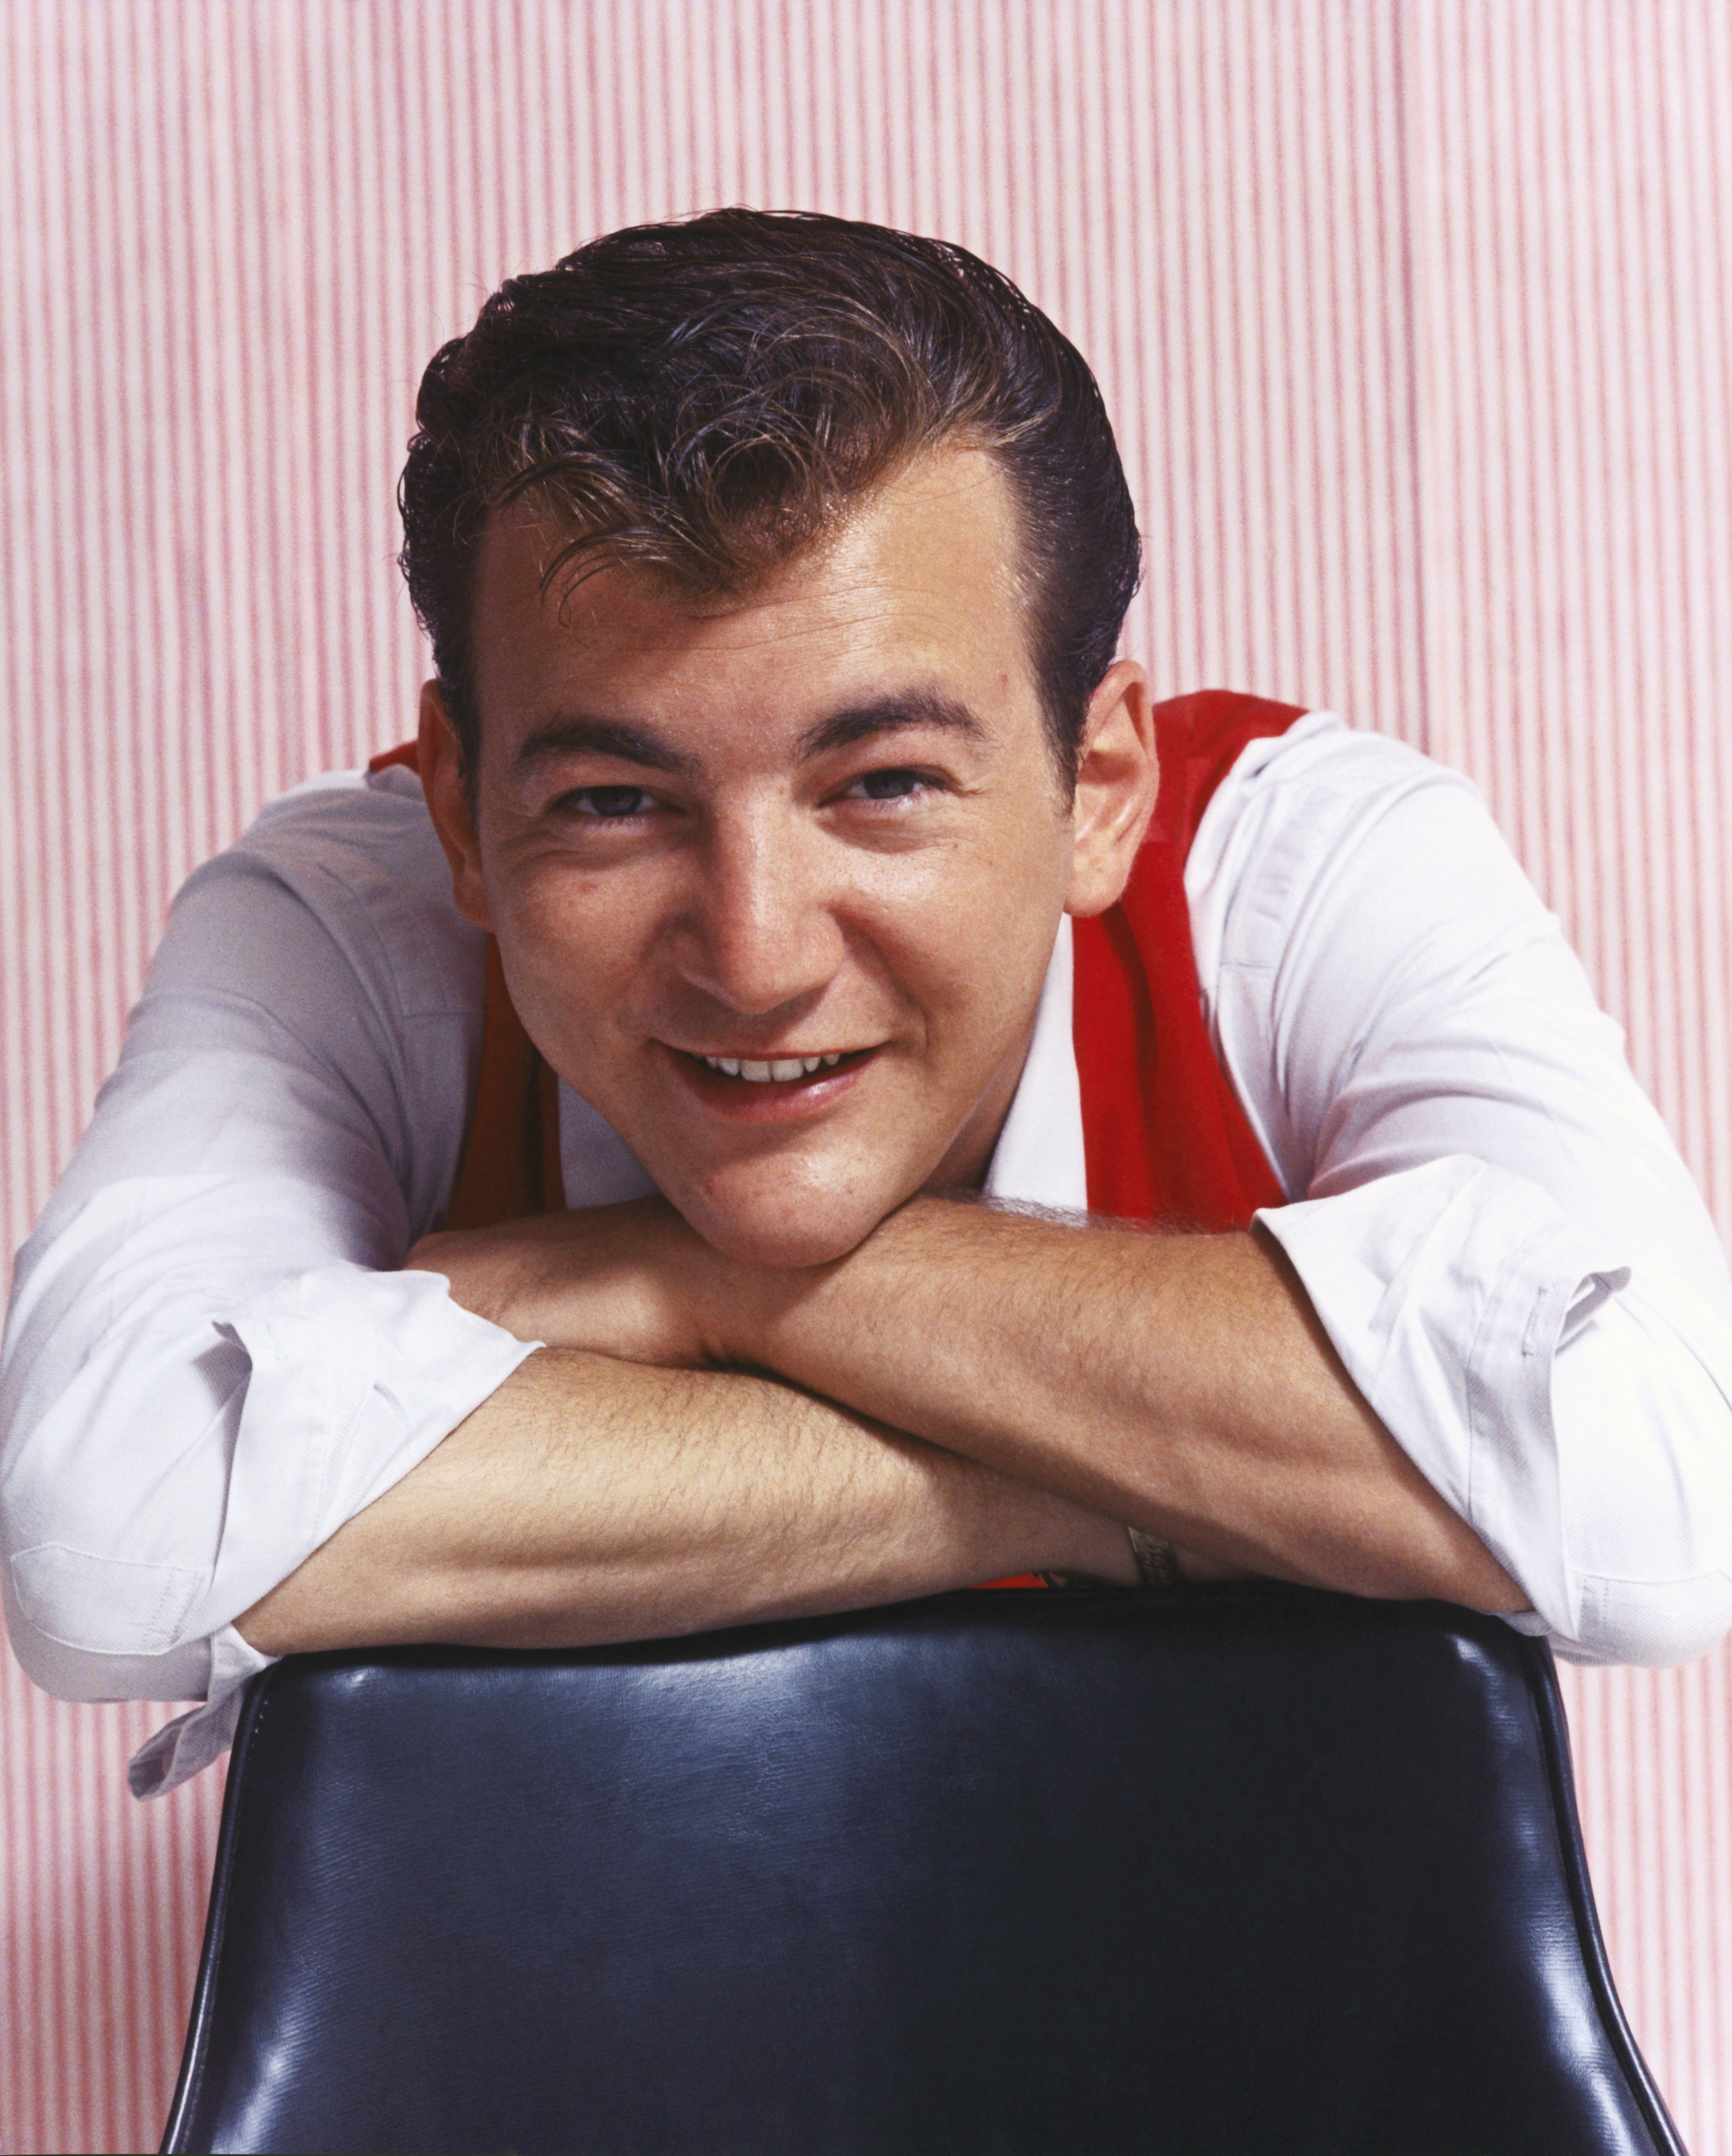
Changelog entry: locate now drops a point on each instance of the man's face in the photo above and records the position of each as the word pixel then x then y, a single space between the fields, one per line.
pixel 815 833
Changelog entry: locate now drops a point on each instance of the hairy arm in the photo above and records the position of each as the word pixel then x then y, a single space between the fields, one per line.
pixel 1178 1383
pixel 590 1500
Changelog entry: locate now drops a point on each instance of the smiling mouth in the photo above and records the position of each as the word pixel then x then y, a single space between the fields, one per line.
pixel 780 1070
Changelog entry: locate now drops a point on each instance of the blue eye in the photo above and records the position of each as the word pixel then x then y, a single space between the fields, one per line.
pixel 605 802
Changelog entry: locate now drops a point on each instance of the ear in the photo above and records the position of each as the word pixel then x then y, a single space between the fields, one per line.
pixel 1117 774
pixel 441 781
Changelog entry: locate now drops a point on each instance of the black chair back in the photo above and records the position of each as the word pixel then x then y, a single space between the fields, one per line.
pixel 1244 1871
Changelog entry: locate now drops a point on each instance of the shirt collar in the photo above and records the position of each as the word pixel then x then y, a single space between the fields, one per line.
pixel 1039 1159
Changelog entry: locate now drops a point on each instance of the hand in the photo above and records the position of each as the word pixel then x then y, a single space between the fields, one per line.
pixel 631 1280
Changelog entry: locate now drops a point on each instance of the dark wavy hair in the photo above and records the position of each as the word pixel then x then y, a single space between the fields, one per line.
pixel 706 398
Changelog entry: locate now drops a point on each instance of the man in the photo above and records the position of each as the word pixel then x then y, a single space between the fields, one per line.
pixel 779 794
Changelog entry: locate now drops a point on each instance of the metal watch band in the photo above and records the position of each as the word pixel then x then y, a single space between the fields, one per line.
pixel 1157 1566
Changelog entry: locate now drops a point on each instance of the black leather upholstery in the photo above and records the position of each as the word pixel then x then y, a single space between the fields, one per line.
pixel 1245 1872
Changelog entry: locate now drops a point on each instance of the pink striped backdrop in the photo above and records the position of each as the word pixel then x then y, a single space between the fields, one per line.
pixel 1414 319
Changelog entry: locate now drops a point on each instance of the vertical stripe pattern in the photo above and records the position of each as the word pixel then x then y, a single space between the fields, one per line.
pixel 1413 317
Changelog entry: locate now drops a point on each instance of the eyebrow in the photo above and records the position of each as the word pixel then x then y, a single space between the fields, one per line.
pixel 894 714
pixel 573 733
pixel 569 733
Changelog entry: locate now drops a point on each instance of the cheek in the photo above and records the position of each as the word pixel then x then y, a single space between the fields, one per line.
pixel 972 951
pixel 574 948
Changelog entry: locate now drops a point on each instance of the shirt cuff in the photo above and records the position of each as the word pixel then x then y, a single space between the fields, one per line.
pixel 188 1744
pixel 1447 1289
pixel 355 1376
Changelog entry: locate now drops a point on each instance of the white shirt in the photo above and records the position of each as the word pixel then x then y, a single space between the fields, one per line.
pixel 211 1363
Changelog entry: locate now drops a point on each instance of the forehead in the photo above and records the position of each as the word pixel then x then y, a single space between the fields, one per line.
pixel 920 581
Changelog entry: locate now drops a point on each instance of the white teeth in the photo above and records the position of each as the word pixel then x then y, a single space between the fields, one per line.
pixel 780 1068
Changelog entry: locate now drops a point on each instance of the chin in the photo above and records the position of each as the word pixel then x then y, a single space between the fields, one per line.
pixel 781 1238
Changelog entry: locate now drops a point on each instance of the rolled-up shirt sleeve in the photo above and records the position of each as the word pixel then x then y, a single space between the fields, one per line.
pixel 211 1361
pixel 1488 1216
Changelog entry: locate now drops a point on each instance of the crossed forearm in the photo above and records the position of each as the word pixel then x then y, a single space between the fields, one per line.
pixel 592 1500
pixel 969 1393
pixel 1179 1383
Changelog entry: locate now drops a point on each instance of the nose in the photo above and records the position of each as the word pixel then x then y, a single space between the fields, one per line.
pixel 759 932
